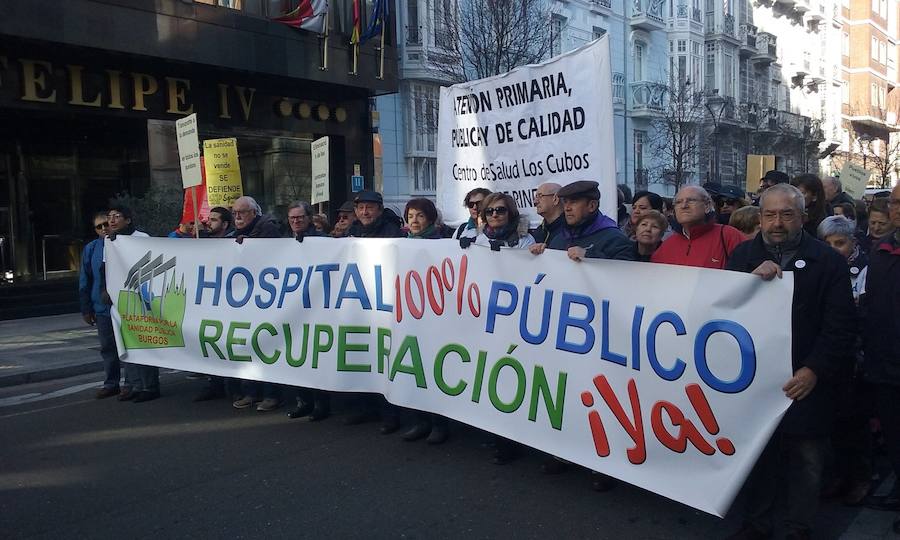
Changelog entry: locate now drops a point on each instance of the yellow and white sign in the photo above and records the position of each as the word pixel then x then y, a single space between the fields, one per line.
pixel 223 172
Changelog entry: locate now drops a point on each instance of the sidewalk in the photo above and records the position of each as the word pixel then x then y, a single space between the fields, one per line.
pixel 44 348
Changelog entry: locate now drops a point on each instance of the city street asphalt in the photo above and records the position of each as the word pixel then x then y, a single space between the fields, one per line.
pixel 72 466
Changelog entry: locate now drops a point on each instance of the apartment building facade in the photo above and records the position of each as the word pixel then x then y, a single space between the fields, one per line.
pixel 869 100
pixel 767 76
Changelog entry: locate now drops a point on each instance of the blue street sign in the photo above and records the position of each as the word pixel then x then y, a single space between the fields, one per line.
pixel 356 183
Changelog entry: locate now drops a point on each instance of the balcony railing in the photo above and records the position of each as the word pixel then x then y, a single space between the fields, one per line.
pixel 618 84
pixel 414 35
pixel 603 3
pixel 647 96
pixel 728 25
pixel 652 9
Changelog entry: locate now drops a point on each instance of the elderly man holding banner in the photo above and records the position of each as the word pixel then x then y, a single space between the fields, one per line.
pixel 588 234
pixel 823 323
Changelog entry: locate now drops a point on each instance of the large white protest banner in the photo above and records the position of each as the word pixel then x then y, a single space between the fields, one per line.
pixel 550 122
pixel 665 377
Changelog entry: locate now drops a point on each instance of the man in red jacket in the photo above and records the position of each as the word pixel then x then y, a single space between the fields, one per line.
pixel 698 239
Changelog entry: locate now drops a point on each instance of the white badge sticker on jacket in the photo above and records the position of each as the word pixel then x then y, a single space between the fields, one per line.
pixel 800 264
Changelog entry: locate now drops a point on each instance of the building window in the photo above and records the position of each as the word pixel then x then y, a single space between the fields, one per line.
pixel 640 138
pixel 874 48
pixel 639 50
pixel 845 44
pixel 875 6
pixel 682 46
pixel 424 174
pixel 882 52
pixel 442 13
pixel 845 92
pixel 413 32
pixel 423 120
pixel 728 69
pixel 709 83
pixel 882 95
pixel 557 23
pixel 873 98
pixel 598 32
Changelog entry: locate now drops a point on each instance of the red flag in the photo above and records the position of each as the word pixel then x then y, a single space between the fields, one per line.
pixel 309 15
pixel 187 211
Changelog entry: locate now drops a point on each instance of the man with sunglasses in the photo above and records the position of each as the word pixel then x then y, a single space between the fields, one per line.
pixel 90 289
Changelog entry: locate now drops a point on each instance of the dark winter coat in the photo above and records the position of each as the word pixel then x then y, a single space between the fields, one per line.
pixel 545 232
pixel 599 235
pixel 388 225
pixel 261 227
pixel 881 308
pixel 823 324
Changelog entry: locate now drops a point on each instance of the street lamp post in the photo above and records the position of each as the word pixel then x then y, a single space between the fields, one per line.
pixel 716 106
pixel 864 141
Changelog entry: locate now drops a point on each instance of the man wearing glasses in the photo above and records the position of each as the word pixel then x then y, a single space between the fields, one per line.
pixel 141 382
pixel 312 403
pixel 90 289
pixel 698 240
pixel 250 222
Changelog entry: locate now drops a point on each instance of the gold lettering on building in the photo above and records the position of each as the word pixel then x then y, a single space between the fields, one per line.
pixel 223 101
pixel 76 88
pixel 115 89
pixel 34 81
pixel 144 85
pixel 177 95
pixel 245 95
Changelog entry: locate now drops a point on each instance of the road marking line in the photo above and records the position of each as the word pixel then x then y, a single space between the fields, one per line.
pixel 31 398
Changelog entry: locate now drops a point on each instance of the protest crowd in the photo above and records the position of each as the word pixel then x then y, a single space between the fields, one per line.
pixel 844 255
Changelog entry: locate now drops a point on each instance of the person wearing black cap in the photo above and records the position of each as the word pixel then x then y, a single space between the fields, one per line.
pixel 346 216
pixel 373 220
pixel 772 178
pixel 589 234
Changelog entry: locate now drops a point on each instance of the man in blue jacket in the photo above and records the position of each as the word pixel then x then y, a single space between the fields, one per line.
pixel 94 310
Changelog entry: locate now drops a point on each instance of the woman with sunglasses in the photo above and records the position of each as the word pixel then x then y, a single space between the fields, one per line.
pixel 503 226
pixel 473 199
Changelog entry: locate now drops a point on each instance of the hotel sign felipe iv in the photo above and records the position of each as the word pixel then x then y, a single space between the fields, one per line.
pixel 33 83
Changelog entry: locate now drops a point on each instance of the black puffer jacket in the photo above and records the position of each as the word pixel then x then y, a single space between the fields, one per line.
pixel 261 227
pixel 388 225
pixel 823 323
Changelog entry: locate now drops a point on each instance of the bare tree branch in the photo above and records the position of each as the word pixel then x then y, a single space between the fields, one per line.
pixel 677 133
pixel 481 38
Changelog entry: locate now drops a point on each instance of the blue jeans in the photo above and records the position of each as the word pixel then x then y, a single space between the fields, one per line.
pixel 143 378
pixel 111 366
pixel 137 377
